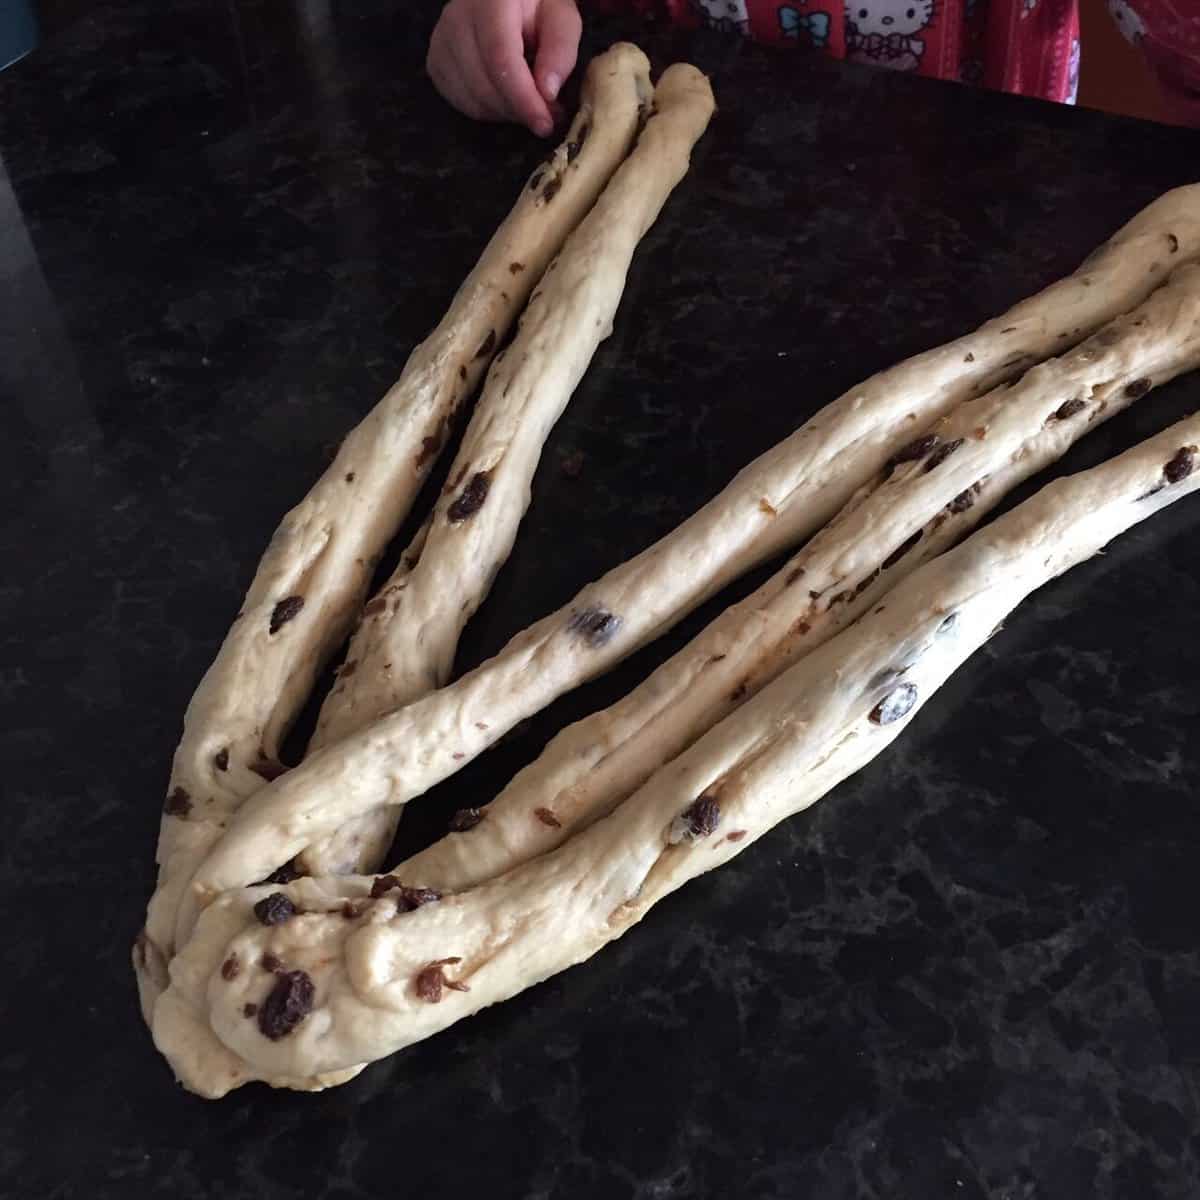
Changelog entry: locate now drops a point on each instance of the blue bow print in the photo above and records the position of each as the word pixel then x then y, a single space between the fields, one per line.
pixel 814 26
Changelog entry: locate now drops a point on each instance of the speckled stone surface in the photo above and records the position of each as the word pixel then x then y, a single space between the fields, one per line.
pixel 973 971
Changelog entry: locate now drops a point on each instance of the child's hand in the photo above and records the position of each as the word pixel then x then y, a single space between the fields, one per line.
pixel 477 58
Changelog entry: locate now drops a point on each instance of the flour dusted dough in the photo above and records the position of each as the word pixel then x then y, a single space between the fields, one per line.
pixel 994 443
pixel 405 645
pixel 771 504
pixel 311 581
pixel 813 726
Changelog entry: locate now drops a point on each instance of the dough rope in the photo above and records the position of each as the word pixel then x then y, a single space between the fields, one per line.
pixel 405 645
pixel 313 577
pixel 769 506
pixel 911 513
pixel 361 984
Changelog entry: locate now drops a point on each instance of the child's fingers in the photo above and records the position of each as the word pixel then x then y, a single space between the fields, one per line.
pixel 457 72
pixel 502 50
pixel 478 76
pixel 557 35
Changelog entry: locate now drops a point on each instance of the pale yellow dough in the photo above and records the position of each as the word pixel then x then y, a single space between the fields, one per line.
pixel 325 549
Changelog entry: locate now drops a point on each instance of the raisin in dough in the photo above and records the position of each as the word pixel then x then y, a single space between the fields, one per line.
pixel 310 583
pixel 784 495
pixel 948 478
pixel 405 645
pixel 396 974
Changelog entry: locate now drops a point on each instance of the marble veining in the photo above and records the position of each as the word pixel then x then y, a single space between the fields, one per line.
pixel 971 972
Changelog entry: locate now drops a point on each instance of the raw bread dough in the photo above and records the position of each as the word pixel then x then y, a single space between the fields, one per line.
pixel 907 515
pixel 311 581
pixel 405 645
pixel 388 977
pixel 784 495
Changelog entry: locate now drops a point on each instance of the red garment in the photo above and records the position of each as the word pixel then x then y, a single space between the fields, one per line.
pixel 1025 46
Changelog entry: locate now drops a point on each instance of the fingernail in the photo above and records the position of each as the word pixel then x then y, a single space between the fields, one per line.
pixel 552 83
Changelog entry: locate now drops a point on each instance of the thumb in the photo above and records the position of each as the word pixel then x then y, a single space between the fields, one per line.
pixel 556 31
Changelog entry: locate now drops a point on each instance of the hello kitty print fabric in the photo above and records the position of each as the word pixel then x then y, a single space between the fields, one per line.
pixel 1030 47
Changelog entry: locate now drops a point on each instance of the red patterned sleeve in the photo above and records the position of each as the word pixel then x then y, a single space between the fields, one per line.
pixel 1168 33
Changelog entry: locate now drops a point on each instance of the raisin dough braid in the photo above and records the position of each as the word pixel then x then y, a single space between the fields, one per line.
pixel 406 642
pixel 784 495
pixel 316 992
pixel 311 582
pixel 936 489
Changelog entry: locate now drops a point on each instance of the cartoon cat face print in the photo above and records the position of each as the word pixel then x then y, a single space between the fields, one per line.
pixel 725 15
pixel 1128 21
pixel 884 17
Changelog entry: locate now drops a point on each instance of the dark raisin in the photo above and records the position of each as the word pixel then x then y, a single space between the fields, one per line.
pixel 794 575
pixel 248 1010
pixel 1173 242
pixel 801 627
pixel 739 693
pixel 269 962
pixel 764 505
pixel 962 502
pixel 274 909
pixel 595 626
pixel 430 980
pixel 573 148
pixel 901 550
pixel 547 818
pixel 736 835
pixel 942 453
pixel 284 611
pixel 231 968
pixel 703 816
pixel 1138 388
pixel 516 267
pixel 352 909
pixel 968 357
pixel 551 189
pixel 178 803
pixel 1181 466
pixel 221 759
pixel 896 704
pixel 408 899
pixel 915 449
pixel 347 669
pixel 286 1005
pixel 487 345
pixel 462 372
pixel 429 447
pixel 1066 411
pixel 466 818
pixel 470 499
pixel 1009 329
pixel 349 476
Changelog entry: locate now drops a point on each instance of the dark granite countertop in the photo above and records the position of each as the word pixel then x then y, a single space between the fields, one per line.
pixel 973 971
